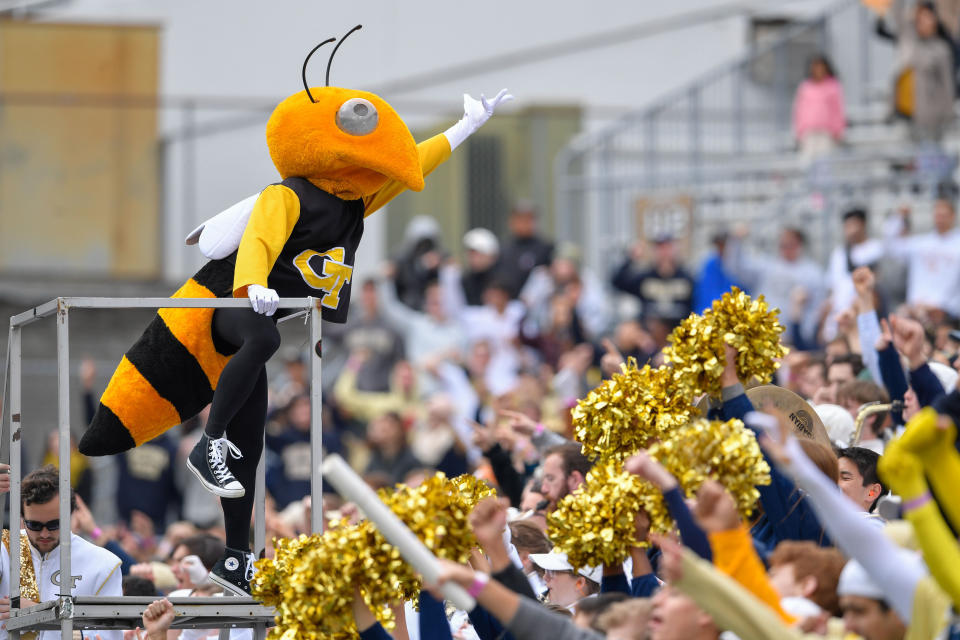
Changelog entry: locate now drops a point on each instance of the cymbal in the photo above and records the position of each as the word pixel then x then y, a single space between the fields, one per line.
pixel 805 421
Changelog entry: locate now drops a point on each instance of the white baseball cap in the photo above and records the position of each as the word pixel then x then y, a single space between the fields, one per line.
pixel 482 241
pixel 838 422
pixel 558 562
pixel 855 581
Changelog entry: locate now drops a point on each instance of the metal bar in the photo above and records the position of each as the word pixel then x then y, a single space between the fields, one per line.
pixel 695 134
pixel 4 407
pixel 259 508
pixel 316 420
pixel 49 308
pixel 188 168
pixel 866 34
pixel 32 315
pixel 63 400
pixel 105 612
pixel 13 347
pixel 737 85
pixel 176 303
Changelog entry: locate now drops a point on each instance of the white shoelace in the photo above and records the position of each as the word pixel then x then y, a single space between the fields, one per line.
pixel 217 462
pixel 250 571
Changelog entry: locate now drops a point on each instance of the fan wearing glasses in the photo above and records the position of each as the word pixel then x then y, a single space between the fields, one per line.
pixel 96 571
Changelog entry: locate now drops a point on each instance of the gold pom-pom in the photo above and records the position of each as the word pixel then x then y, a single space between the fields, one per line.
pixel 696 348
pixel 436 511
pixel 472 489
pixel 727 452
pixel 595 525
pixel 312 579
pixel 629 411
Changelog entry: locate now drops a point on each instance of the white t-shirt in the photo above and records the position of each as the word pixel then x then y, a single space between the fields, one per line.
pixel 840 282
pixel 933 268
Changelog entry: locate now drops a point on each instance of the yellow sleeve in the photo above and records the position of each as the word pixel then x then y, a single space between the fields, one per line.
pixel 432 152
pixel 734 555
pixel 732 607
pixel 940 549
pixel 941 462
pixel 930 611
pixel 904 473
pixel 271 222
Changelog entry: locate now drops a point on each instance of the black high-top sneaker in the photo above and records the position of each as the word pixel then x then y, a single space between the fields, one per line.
pixel 234 571
pixel 207 462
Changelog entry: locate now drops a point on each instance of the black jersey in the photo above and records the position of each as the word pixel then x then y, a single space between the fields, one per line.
pixel 317 259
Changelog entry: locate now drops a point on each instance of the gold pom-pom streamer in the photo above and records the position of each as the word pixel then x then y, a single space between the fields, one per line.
pixel 629 411
pixel 595 524
pixel 696 348
pixel 311 579
pixel 727 452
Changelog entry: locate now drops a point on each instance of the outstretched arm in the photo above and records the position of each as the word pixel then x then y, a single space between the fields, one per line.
pixel 438 148
pixel 857 538
pixel 904 472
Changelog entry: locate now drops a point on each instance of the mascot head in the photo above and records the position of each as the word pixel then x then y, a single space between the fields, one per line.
pixel 346 142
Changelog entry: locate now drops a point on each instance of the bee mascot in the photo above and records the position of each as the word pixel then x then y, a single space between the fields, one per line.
pixel 342 154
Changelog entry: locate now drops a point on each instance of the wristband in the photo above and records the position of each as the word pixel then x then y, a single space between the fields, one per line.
pixel 539 429
pixel 96 533
pixel 916 503
pixel 479 582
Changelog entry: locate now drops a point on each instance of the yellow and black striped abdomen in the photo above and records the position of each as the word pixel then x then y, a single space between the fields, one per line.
pixel 168 375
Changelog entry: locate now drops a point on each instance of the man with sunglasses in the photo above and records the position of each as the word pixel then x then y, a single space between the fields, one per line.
pixel 96 571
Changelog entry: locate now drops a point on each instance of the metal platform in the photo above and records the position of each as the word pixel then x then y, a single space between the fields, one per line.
pixel 125 613
pixel 70 612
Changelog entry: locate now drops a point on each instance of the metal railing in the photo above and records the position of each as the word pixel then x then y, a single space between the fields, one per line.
pixel 728 136
pixel 96 612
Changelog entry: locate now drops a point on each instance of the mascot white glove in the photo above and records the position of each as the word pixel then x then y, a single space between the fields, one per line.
pixel 196 572
pixel 263 300
pixel 475 113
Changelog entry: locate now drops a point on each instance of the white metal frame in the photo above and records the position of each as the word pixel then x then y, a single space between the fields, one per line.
pixel 70 611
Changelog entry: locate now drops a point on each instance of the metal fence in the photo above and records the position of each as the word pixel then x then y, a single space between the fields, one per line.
pixel 722 150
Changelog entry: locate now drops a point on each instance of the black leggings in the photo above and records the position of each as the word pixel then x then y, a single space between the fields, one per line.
pixel 239 408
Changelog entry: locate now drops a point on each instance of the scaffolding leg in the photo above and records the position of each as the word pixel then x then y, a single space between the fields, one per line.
pixel 13 348
pixel 63 397
pixel 316 421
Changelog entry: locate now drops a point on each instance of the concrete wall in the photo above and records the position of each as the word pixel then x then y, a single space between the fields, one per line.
pixel 79 188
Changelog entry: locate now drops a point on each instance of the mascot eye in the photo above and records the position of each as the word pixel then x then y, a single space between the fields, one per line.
pixel 357 116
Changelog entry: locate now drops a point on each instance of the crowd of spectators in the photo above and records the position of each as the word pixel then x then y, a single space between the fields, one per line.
pixel 473 366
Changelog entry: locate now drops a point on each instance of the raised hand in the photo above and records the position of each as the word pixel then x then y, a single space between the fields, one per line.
pixel 82 520
pixel 488 520
pixel 475 114
pixel 864 282
pixel 641 464
pixel 715 510
pixel 157 618
pixel 612 358
pixel 908 339
pixel 520 422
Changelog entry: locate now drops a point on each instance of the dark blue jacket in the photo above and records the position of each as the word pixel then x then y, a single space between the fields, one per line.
pixel 786 514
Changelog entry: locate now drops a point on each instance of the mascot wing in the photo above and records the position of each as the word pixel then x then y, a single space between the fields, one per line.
pixel 220 235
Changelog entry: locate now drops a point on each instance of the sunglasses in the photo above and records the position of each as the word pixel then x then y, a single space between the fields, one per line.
pixel 36 525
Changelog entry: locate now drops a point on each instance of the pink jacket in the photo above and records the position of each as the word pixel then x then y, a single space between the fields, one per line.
pixel 818 106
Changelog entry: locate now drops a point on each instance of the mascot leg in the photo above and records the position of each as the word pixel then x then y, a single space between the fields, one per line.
pixel 256 338
pixel 235 570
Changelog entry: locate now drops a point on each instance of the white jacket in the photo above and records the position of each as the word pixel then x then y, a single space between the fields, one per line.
pixel 95 571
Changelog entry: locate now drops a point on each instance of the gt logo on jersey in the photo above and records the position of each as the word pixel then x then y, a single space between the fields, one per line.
pixel 334 273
